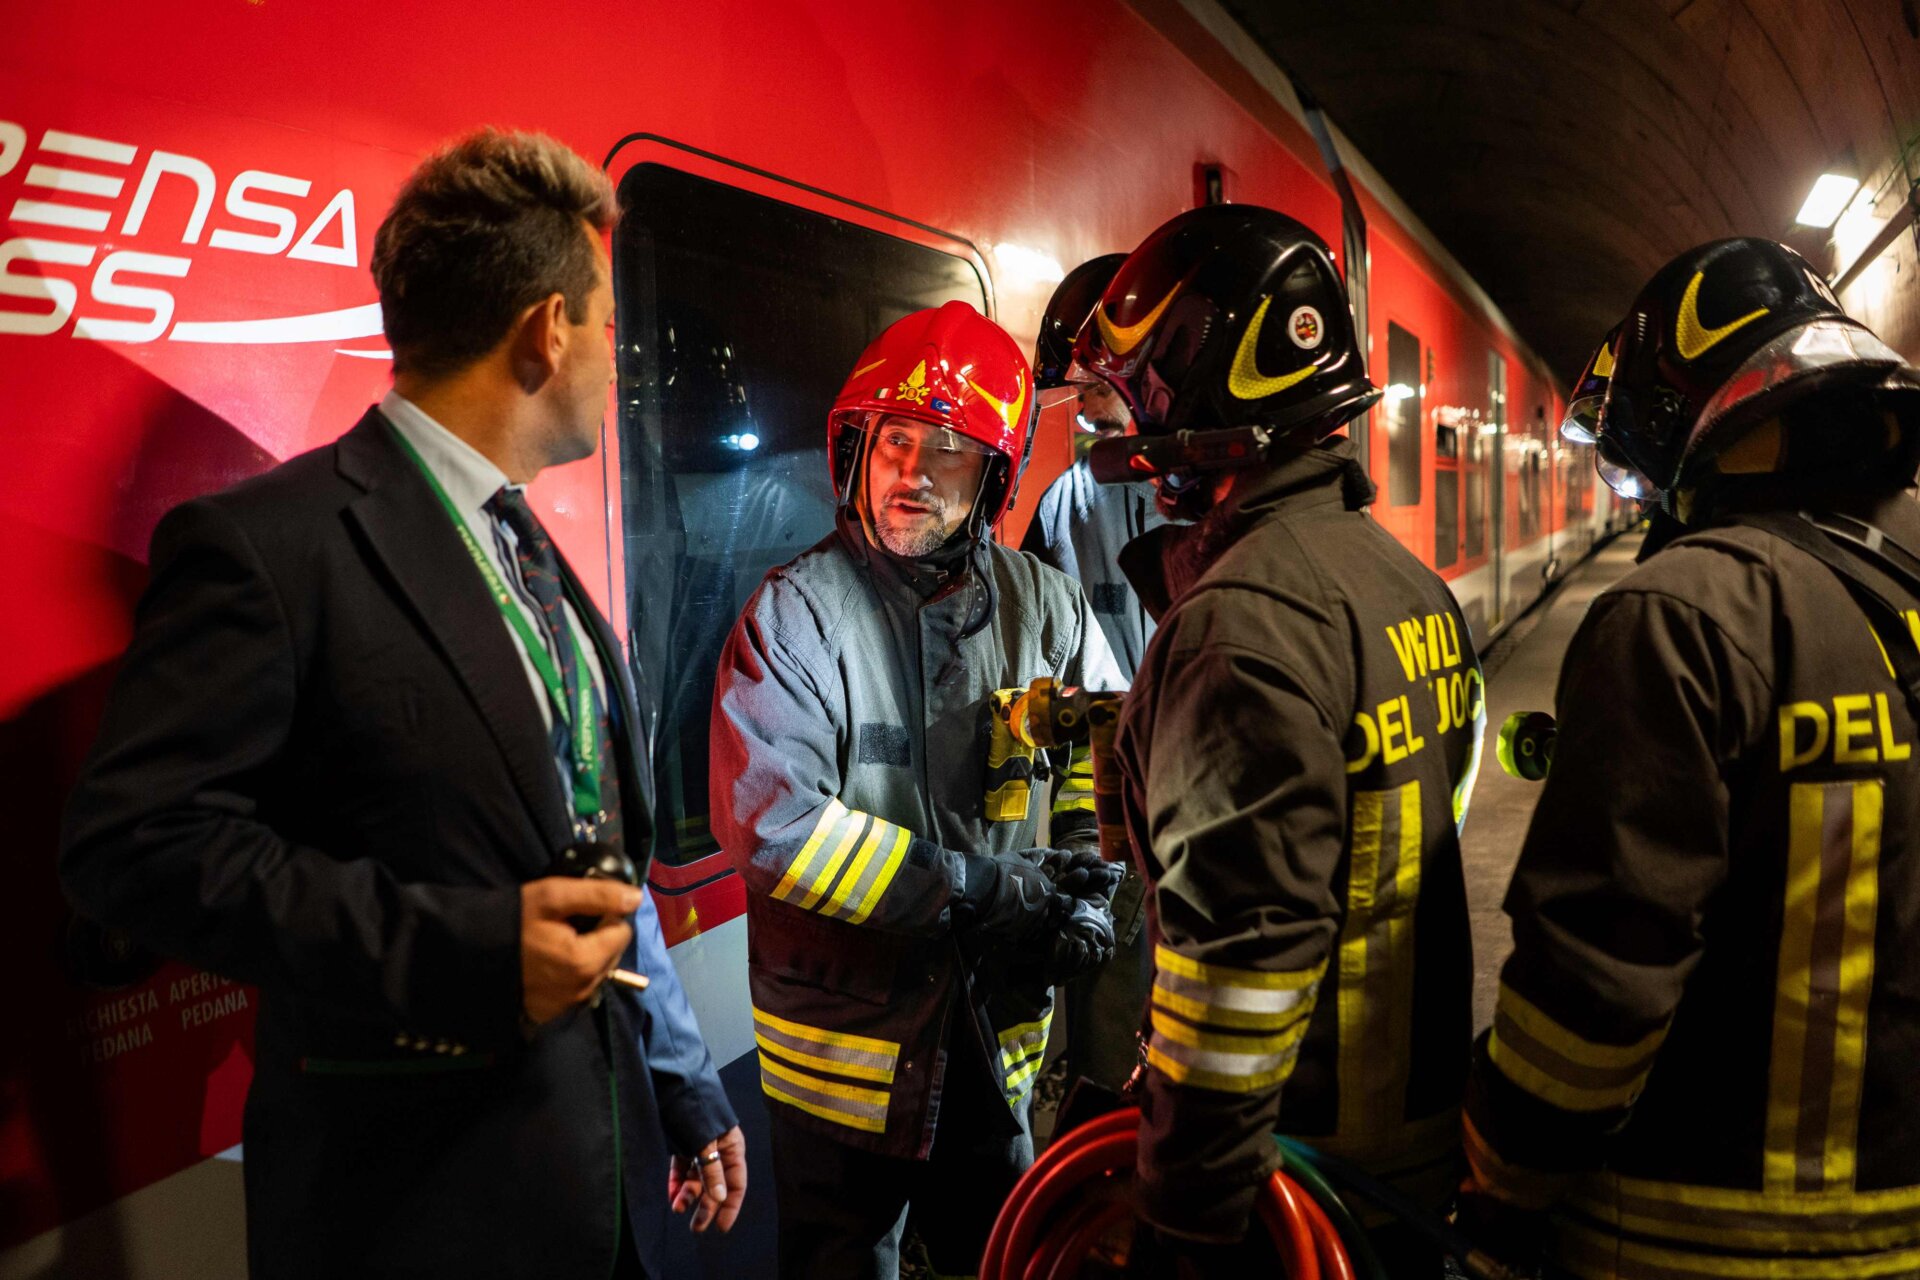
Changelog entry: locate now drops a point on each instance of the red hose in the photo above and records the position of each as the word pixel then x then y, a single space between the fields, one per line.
pixel 1033 1239
pixel 1334 1262
pixel 1126 1119
pixel 1292 1230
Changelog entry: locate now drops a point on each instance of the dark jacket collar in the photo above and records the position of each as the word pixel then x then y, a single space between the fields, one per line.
pixel 1164 563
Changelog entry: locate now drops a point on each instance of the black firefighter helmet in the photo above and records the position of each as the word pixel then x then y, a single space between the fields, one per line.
pixel 1225 332
pixel 1229 316
pixel 1724 337
pixel 1067 312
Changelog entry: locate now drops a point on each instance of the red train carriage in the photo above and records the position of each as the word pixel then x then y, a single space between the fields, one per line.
pixel 184 301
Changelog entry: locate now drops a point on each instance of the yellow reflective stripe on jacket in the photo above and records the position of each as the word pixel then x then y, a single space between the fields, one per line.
pixel 850 1105
pixel 1076 789
pixel 1376 957
pixel 838 872
pixel 1022 1049
pixel 1206 1019
pixel 1229 1002
pixel 1837 1221
pixel 1598 1255
pixel 1824 981
pixel 1562 1068
pixel 1222 1062
pixel 861 1057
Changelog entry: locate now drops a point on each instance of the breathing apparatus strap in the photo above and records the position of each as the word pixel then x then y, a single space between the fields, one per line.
pixel 1865 561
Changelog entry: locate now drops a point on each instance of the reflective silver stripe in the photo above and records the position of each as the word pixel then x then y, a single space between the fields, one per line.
pixel 1229 1063
pixel 1022 1050
pixel 1253 1008
pixel 857 1108
pixel 860 1057
pixel 872 871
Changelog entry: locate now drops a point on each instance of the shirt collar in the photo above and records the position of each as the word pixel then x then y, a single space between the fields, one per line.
pixel 462 470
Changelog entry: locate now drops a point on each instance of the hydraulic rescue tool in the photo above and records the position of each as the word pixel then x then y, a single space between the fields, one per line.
pixel 1050 715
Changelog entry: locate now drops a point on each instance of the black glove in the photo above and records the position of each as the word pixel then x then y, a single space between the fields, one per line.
pixel 1085 939
pixel 1005 897
pixel 1081 872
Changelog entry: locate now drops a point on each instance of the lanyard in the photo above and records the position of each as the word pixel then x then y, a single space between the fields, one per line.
pixel 580 719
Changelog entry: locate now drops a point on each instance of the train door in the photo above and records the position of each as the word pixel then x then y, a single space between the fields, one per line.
pixel 740 313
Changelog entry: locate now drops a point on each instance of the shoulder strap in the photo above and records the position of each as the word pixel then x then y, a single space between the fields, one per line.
pixel 1866 562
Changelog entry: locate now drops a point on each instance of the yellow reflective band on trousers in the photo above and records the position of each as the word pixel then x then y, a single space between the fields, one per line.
pixel 1228 1029
pixel 1562 1068
pixel 845 865
pixel 1596 1255
pixel 1009 764
pixel 1376 959
pixel 1831 1222
pixel 1076 793
pixel 797 1062
pixel 1825 978
pixel 1022 1049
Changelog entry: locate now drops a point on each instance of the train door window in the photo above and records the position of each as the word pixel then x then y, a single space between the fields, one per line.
pixel 739 318
pixel 1448 447
pixel 1406 397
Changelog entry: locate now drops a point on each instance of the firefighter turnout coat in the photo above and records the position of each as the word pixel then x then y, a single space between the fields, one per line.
pixel 854 766
pixel 1297 749
pixel 1705 1042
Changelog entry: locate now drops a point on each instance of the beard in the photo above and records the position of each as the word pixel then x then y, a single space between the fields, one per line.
pixel 913 537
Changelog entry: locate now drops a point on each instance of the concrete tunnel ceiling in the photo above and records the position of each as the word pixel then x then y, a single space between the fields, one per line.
pixel 1564 149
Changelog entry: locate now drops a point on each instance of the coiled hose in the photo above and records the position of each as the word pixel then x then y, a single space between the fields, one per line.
pixel 1058 1214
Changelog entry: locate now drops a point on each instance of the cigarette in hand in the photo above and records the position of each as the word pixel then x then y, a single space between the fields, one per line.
pixel 629 979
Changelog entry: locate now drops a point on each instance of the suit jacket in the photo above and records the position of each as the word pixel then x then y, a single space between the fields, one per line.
pixel 323 771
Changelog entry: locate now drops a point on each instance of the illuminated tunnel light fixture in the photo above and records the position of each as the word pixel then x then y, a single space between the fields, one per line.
pixel 744 441
pixel 1829 196
pixel 1398 391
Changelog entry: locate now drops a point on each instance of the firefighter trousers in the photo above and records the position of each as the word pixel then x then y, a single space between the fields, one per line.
pixel 844 1211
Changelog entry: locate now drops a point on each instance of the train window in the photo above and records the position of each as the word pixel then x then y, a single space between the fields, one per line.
pixel 739 318
pixel 1405 399
pixel 1448 428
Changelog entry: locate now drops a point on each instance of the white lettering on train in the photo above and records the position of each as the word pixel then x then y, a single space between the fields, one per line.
pixel 257 216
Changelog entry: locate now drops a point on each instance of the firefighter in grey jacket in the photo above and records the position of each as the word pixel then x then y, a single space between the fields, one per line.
pixel 907 915
pixel 1080 528
pixel 1080 524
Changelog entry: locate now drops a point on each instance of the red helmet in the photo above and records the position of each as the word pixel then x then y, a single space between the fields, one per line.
pixel 950 367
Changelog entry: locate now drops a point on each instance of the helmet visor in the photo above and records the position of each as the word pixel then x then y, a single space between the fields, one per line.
pixel 1619 473
pixel 907 444
pixel 1822 347
pixel 1582 423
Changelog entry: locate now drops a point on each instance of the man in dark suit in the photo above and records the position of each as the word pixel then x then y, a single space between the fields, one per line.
pixel 366 710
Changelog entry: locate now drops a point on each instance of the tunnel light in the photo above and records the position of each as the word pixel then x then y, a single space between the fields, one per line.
pixel 745 441
pixel 1398 391
pixel 1829 196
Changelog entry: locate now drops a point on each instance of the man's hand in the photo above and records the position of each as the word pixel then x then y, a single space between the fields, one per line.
pixel 718 1186
pixel 561 967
